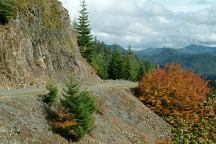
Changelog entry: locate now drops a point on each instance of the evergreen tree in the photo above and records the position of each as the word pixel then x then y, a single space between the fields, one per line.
pixel 130 66
pixel 84 38
pixel 75 24
pixel 116 66
pixel 52 92
pixel 141 70
pixel 101 59
pixel 82 105
pixel 114 63
pixel 100 66
pixel 148 66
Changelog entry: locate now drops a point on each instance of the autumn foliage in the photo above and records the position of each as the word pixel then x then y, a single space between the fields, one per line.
pixel 184 100
pixel 172 90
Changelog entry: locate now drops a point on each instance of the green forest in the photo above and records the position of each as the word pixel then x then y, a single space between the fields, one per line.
pixel 109 63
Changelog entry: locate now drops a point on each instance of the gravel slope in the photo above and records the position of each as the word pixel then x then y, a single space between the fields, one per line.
pixel 123 119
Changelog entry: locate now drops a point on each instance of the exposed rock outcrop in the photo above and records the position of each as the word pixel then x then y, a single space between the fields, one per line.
pixel 39 43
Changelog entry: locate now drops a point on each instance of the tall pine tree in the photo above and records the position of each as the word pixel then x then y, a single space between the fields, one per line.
pixel 141 69
pixel 131 65
pixel 84 33
pixel 116 66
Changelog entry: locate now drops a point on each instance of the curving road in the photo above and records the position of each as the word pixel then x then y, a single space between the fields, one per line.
pixel 21 92
pixel 34 91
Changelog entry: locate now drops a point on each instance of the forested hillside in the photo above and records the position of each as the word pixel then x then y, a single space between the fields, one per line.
pixel 200 59
pixel 114 62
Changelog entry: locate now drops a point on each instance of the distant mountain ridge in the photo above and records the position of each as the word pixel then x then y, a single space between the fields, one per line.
pixel 190 49
pixel 197 49
pixel 199 58
pixel 113 46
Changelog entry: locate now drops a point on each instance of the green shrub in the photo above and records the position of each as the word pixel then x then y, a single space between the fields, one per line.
pixel 52 93
pixel 7 11
pixel 72 118
pixel 82 106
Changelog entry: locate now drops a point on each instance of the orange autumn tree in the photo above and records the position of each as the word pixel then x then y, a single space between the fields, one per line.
pixel 172 90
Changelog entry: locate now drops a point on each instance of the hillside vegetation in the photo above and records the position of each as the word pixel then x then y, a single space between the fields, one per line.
pixel 184 100
pixel 111 62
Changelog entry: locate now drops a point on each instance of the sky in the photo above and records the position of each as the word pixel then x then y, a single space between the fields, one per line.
pixel 150 23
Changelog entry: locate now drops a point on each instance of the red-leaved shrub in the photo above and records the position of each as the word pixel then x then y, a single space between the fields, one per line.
pixel 173 90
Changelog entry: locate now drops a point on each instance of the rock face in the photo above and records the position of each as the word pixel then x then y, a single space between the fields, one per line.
pixel 39 43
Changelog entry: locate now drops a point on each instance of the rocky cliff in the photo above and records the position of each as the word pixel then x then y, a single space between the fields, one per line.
pixel 38 43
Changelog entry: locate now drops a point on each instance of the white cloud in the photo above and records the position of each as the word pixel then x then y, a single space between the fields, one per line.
pixel 201 2
pixel 150 23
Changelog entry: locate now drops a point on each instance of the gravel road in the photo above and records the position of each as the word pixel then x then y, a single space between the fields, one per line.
pixel 20 92
pixel 34 91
